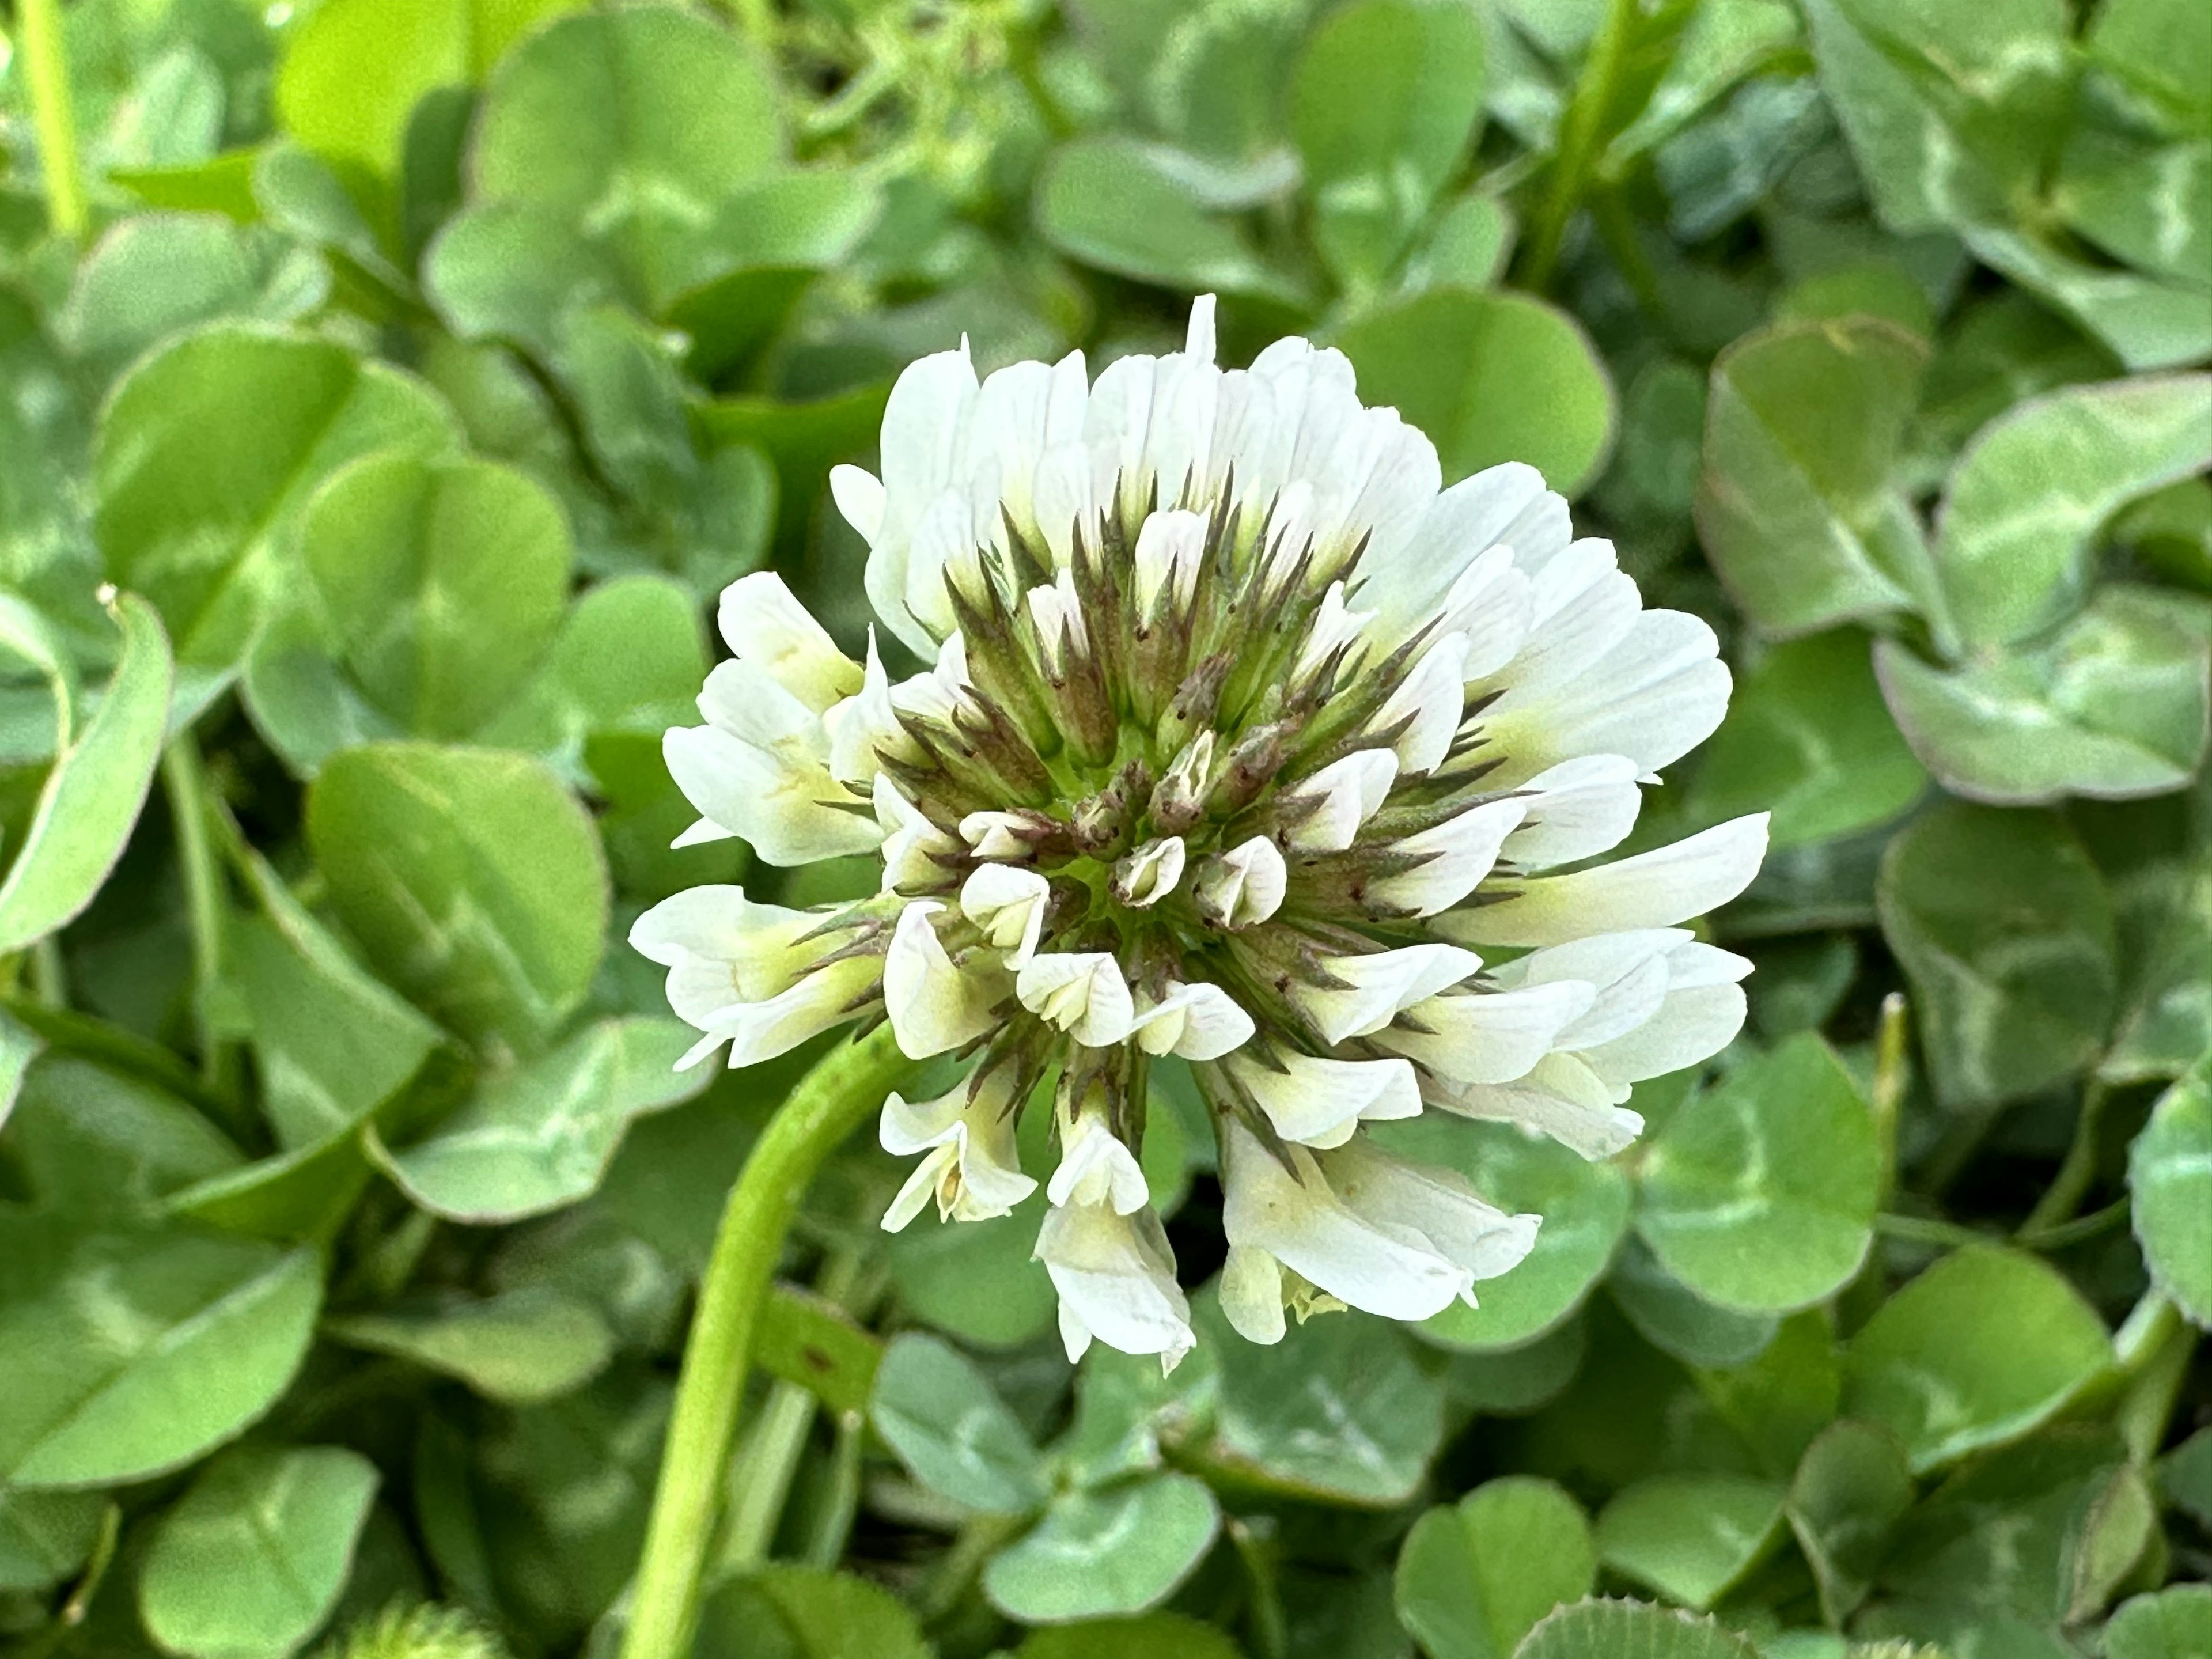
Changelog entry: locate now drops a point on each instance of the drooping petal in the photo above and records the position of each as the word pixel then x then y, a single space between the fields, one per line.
pixel 1197 1021
pixel 1094 1166
pixel 1376 986
pixel 917 855
pixel 766 626
pixel 1115 1277
pixel 1080 991
pixel 721 948
pixel 1243 886
pixel 971 1166
pixel 1151 873
pixel 1506 504
pixel 933 1004
pixel 1437 1204
pixel 1561 1097
pixel 1009 905
pixel 1317 1101
pixel 1252 1295
pixel 859 494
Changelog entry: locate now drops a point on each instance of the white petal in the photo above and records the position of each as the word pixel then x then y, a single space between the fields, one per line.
pixel 1460 852
pixel 973 1168
pixel 934 1005
pixel 994 834
pixel 916 852
pixel 1562 1098
pixel 1304 1224
pixel 1507 503
pixel 1151 873
pixel 1318 1102
pixel 1170 547
pixel 1333 624
pixel 775 801
pixel 1700 1013
pixel 864 727
pixel 722 949
pixel 1494 605
pixel 1095 1167
pixel 1252 1295
pixel 1626 972
pixel 1486 1037
pixel 1115 1276
pixel 1009 905
pixel 1430 700
pixel 924 428
pixel 767 628
pixel 1198 1022
pixel 761 1030
pixel 1378 985
pixel 1081 993
pixel 1654 695
pixel 1577 810
pixel 1585 605
pixel 1346 793
pixel 1198 339
pixel 1437 1204
pixel 1243 886
pixel 922 1183
pixel 1658 889
pixel 859 494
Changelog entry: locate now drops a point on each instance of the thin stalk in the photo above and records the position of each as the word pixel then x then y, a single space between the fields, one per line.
pixel 1891 1078
pixel 1580 129
pixel 183 781
pixel 830 1102
pixel 2153 1350
pixel 2079 1169
pixel 1927 1230
pixel 54 116
pixel 831 1523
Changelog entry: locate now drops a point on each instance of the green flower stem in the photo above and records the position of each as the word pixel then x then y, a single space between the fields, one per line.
pixel 2071 1184
pixel 191 817
pixel 843 1090
pixel 1892 1076
pixel 1580 129
pixel 54 116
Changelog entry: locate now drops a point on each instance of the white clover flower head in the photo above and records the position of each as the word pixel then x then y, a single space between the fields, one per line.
pixel 1244 741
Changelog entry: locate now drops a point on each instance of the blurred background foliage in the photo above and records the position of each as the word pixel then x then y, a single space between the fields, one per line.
pixel 420 369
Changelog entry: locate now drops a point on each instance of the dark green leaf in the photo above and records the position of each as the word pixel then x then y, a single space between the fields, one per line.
pixel 1096 1554
pixel 1473 1579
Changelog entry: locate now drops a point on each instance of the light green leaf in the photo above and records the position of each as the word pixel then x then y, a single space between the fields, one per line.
pixel 1475 1577
pixel 1850 1490
pixel 355 70
pixel 809 1340
pixel 2112 706
pixel 1489 377
pixel 45 1536
pixel 1123 206
pixel 299 1196
pixel 1585 1211
pixel 1690 1537
pixel 1983 1348
pixel 473 881
pixel 2167 959
pixel 1096 1554
pixel 1759 1194
pixel 541 1135
pixel 250 1561
pixel 1809 738
pixel 2013 534
pixel 92 794
pixel 1628 1630
pixel 977 1281
pixel 134 1352
pixel 2005 935
pixel 1796 504
pixel 2173 1624
pixel 2148 321
pixel 2170 1178
pixel 207 451
pixel 1385 98
pixel 949 1427
pixel 93 1141
pixel 1675 1320
pixel 1153 1636
pixel 519 1347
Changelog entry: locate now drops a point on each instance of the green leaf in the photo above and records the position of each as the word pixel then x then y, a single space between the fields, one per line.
pixel 1489 377
pixel 2173 1624
pixel 92 794
pixel 1809 738
pixel 1797 504
pixel 136 1351
pixel 1759 1194
pixel 95 1141
pixel 355 70
pixel 472 879
pixel 2184 1475
pixel 299 1196
pixel 1344 1409
pixel 789 1612
pixel 1152 1636
pixel 2148 321
pixel 977 1281
pixel 45 1536
pixel 2013 535
pixel 250 1562
pixel 1385 98
pixel 1474 1577
pixel 2167 1025
pixel 1628 1630
pixel 1849 1490
pixel 443 581
pixel 809 1340
pixel 1096 1554
pixel 1690 1537
pixel 949 1427
pixel 158 274
pixel 1983 1348
pixel 2170 1178
pixel 208 450
pixel 699 118
pixel 2112 706
pixel 1585 1211
pixel 519 1347
pixel 1125 206
pixel 541 1135
pixel 2005 935
pixel 1675 1320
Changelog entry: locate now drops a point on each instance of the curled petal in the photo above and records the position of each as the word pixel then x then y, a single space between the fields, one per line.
pixel 1151 873
pixel 970 1164
pixel 1094 1166
pixel 1243 886
pixel 1115 1277
pixel 1082 993
pixel 767 628
pixel 1009 906
pixel 933 1004
pixel 1329 807
pixel 1560 1097
pixel 1198 1022
pixel 916 852
pixel 1317 1101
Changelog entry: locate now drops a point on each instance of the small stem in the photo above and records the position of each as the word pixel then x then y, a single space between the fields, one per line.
pixel 1891 1077
pixel 1579 131
pixel 2070 1233
pixel 49 973
pixel 183 781
pixel 2154 1349
pixel 1927 1230
pixel 958 1568
pixel 833 1518
pixel 53 113
pixel 846 1085
pixel 2071 1184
